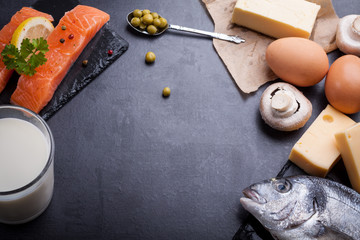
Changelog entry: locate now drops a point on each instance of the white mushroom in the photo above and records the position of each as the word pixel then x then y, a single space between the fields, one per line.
pixel 348 34
pixel 284 107
pixel 283 103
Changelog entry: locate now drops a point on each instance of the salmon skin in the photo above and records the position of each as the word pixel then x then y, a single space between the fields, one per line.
pixel 65 46
pixel 6 34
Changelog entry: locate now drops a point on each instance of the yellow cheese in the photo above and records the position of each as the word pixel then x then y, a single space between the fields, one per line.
pixel 277 18
pixel 316 151
pixel 349 144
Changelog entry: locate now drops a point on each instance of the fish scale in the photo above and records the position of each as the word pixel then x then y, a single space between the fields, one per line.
pixel 320 208
pixel 348 215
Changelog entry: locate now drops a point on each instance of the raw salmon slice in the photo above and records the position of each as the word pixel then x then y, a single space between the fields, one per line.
pixel 82 23
pixel 20 16
pixel 6 35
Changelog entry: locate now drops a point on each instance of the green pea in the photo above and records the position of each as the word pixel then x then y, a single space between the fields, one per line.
pixel 142 26
pixel 150 57
pixel 156 22
pixel 147 19
pixel 166 92
pixel 155 15
pixel 146 11
pixel 151 29
pixel 163 22
pixel 135 21
pixel 137 13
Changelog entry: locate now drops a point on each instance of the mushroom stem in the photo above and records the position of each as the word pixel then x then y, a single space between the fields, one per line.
pixel 283 103
pixel 356 26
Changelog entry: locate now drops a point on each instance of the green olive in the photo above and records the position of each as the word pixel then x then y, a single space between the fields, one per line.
pixel 151 29
pixel 156 22
pixel 145 11
pixel 148 19
pixel 163 22
pixel 137 13
pixel 150 57
pixel 166 92
pixel 135 21
pixel 142 26
pixel 155 15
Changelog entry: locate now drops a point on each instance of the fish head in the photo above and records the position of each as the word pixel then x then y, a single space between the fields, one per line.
pixel 281 203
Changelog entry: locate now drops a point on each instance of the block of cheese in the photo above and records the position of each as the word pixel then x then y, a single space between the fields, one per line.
pixel 277 18
pixel 316 151
pixel 348 142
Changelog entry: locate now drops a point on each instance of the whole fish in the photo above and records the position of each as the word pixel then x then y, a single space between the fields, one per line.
pixel 304 207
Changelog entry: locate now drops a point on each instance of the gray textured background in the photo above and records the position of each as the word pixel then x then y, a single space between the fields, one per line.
pixel 130 164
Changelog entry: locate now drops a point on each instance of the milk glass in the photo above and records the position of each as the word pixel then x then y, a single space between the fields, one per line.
pixel 26 185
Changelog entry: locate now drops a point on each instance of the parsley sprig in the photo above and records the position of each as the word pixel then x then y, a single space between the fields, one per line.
pixel 28 58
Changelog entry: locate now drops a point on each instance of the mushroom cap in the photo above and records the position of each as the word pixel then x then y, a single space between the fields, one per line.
pixel 292 122
pixel 348 34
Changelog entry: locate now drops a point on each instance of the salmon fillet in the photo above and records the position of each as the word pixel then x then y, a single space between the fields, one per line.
pixel 6 35
pixel 82 22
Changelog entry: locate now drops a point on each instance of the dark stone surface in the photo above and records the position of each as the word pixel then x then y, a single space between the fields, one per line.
pixel 130 164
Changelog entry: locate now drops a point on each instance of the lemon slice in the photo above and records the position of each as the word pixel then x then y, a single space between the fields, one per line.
pixel 32 28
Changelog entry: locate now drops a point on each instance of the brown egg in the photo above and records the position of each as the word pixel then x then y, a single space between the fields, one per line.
pixel 342 84
pixel 298 61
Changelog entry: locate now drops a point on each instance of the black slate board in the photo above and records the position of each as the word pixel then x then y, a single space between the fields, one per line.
pixel 78 76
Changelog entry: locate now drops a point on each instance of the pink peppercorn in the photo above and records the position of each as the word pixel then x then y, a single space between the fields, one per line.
pixel 71 36
pixel 110 52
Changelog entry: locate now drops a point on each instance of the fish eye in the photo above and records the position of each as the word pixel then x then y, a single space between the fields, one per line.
pixel 282 186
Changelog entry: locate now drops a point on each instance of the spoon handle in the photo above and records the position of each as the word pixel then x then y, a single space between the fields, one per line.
pixel 230 38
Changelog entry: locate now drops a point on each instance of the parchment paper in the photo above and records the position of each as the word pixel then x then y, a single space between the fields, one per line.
pixel 246 61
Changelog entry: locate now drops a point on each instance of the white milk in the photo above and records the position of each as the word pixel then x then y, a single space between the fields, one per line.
pixel 24 153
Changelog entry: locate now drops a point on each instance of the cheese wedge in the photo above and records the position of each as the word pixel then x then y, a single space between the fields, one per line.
pixel 316 151
pixel 277 18
pixel 348 142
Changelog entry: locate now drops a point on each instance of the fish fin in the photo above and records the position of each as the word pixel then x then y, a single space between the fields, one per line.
pixel 326 233
pixel 322 230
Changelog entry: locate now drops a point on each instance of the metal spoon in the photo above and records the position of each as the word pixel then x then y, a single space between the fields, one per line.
pixel 230 38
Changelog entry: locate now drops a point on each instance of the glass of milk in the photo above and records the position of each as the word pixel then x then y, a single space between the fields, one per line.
pixel 26 165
